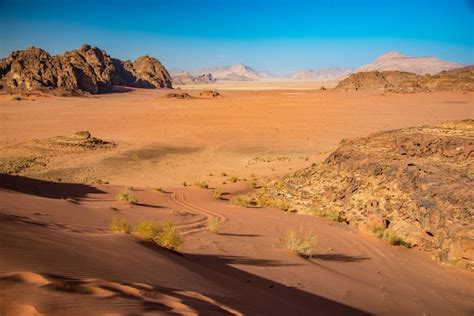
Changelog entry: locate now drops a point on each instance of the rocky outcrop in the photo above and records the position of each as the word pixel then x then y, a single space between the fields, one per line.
pixel 415 185
pixel 87 69
pixel 395 61
pixel 461 79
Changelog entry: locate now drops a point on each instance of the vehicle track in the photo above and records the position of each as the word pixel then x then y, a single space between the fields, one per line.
pixel 178 197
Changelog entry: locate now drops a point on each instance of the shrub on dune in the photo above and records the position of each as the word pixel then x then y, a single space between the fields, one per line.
pixel 164 234
pixel 120 225
pixel 217 193
pixel 127 197
pixel 214 225
pixel 244 201
pixel 301 243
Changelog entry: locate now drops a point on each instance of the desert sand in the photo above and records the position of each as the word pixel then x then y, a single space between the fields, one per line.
pixel 58 256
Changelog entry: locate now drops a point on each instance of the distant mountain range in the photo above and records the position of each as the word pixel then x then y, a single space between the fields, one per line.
pixel 390 61
pixel 323 74
pixel 237 72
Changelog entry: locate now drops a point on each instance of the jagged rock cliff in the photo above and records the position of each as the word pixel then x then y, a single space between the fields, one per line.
pixel 87 69
pixel 414 185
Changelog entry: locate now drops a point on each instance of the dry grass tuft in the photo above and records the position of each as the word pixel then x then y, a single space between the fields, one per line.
pixel 301 243
pixel 202 185
pixel 214 225
pixel 244 201
pixel 217 193
pixel 127 197
pixel 164 234
pixel 120 225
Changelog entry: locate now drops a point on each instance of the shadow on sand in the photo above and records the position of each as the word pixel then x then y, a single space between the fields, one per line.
pixel 47 189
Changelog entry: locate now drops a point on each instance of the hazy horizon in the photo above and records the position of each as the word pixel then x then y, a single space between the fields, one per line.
pixel 274 36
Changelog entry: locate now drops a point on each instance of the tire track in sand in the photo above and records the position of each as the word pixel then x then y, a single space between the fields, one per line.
pixel 178 197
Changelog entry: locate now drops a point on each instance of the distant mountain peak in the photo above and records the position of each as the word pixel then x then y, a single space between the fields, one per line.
pixel 390 55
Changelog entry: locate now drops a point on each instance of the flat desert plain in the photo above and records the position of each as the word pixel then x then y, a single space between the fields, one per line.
pixel 58 256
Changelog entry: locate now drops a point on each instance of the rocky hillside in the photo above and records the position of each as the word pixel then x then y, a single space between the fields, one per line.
pixel 395 61
pixel 404 82
pixel 412 187
pixel 87 69
pixel 323 74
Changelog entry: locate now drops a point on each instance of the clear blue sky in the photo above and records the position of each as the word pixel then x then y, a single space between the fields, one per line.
pixel 279 36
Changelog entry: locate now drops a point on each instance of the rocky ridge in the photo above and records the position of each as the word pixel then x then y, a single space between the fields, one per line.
pixel 87 69
pixel 412 187
pixel 405 82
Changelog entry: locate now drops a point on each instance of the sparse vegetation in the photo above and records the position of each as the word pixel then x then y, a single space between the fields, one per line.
pixel 185 184
pixel 214 225
pixel 217 193
pixel 164 234
pixel 127 197
pixel 120 225
pixel 202 185
pixel 254 184
pixel 301 243
pixel 389 236
pixel 160 189
pixel 333 215
pixel 244 200
pixel 233 179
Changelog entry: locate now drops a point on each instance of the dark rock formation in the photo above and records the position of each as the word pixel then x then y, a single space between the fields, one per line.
pixel 403 82
pixel 87 69
pixel 416 184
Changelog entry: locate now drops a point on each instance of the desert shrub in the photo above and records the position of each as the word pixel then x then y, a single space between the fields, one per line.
pixel 160 189
pixel 120 225
pixel 265 201
pixel 148 230
pixel 333 215
pixel 185 184
pixel 202 185
pixel 127 197
pixel 254 184
pixel 301 243
pixel 217 193
pixel 393 239
pixel 389 236
pixel 233 179
pixel 169 237
pixel 164 234
pixel 214 225
pixel 244 201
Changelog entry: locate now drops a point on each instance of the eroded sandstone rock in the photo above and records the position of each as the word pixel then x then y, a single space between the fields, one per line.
pixel 87 69
pixel 417 183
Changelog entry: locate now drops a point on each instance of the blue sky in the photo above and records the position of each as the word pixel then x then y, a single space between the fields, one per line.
pixel 279 36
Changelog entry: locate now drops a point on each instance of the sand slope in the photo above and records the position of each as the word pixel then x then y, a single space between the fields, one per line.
pixel 58 258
